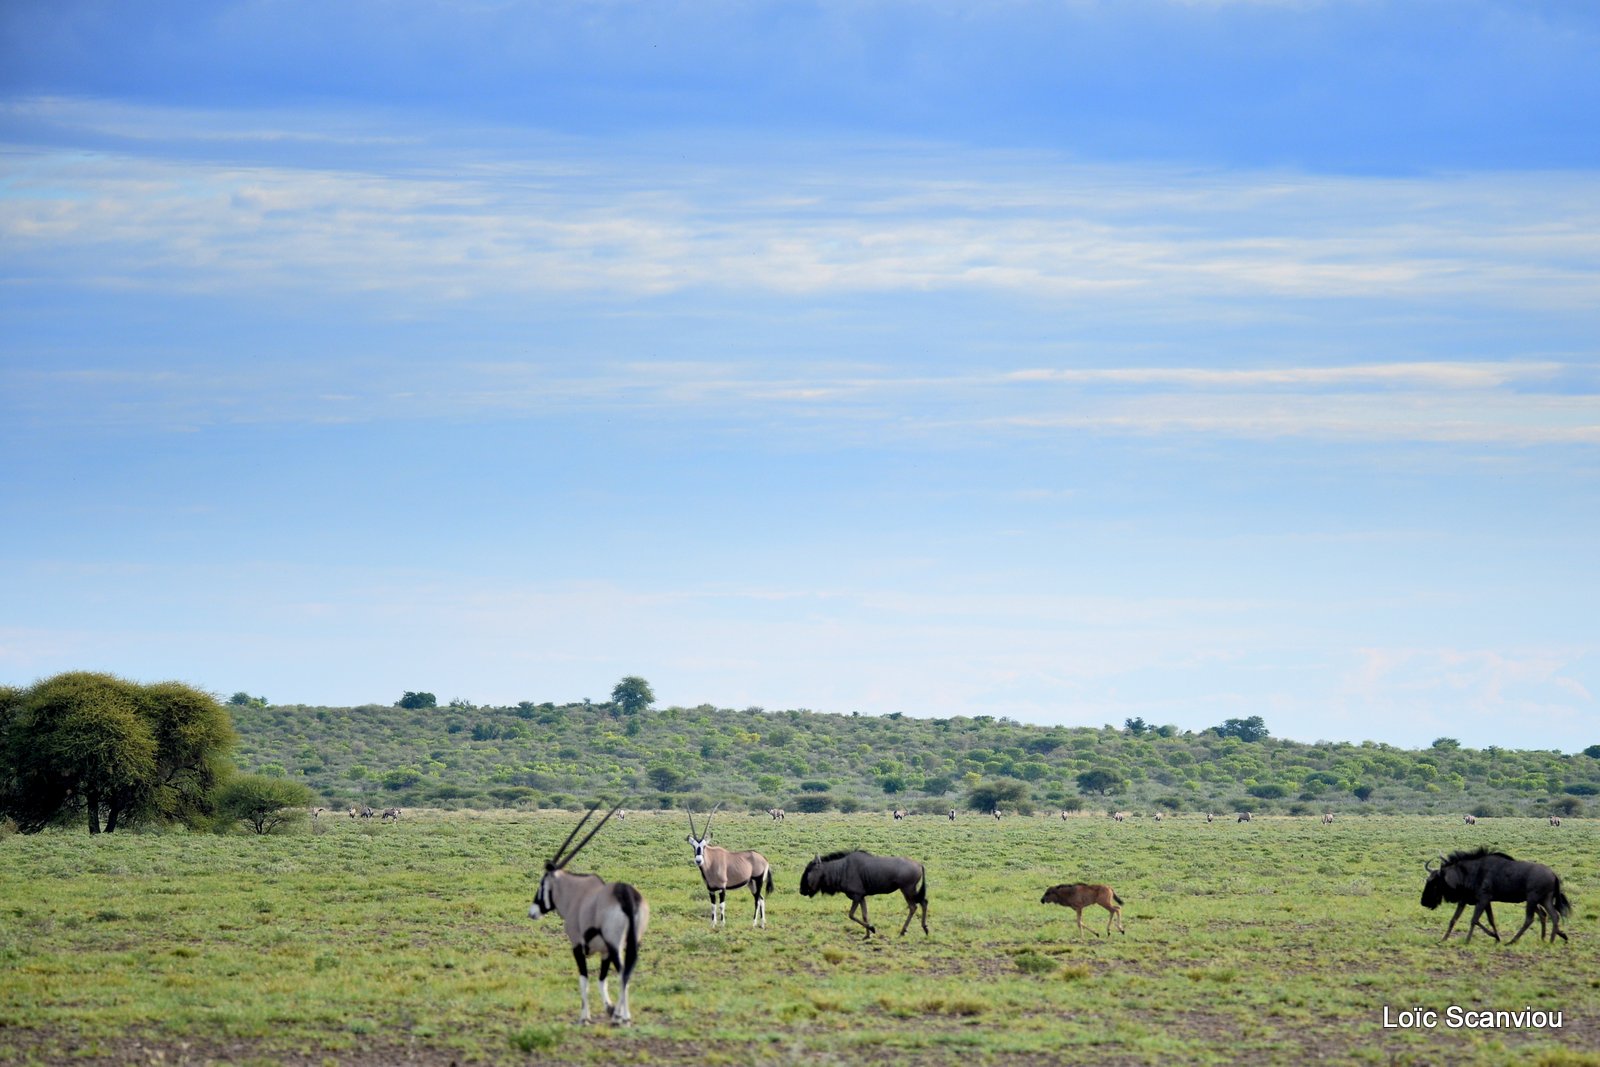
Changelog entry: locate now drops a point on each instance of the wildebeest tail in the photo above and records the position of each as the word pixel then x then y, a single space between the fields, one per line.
pixel 1116 898
pixel 1563 905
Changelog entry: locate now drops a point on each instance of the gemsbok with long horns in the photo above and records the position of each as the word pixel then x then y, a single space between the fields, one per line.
pixel 859 875
pixel 601 917
pixel 724 870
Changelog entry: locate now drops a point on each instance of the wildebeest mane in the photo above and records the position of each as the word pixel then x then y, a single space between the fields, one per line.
pixel 838 855
pixel 1481 853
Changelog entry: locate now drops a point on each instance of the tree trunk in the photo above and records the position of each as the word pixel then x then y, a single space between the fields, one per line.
pixel 94 812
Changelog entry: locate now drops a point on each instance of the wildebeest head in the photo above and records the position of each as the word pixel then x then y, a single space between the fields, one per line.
pixel 1433 888
pixel 811 878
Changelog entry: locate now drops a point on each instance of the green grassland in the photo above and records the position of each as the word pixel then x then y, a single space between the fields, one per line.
pixel 351 943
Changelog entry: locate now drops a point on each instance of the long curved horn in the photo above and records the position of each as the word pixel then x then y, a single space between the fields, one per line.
pixel 579 846
pixel 692 834
pixel 555 861
pixel 1427 865
pixel 707 827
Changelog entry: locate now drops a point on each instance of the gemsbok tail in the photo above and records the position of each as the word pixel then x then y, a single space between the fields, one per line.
pixel 628 897
pixel 769 879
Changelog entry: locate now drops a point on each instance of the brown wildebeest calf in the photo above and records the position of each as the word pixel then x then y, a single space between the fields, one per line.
pixel 1079 895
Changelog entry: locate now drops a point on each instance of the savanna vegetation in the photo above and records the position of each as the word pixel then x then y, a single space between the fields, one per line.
pixel 463 755
pixel 359 944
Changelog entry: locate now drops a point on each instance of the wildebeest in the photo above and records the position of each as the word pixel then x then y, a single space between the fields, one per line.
pixel 1470 820
pixel 723 870
pixel 608 918
pixel 1481 877
pixel 1079 895
pixel 859 875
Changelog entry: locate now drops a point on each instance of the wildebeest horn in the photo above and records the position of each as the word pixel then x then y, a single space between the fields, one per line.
pixel 1427 865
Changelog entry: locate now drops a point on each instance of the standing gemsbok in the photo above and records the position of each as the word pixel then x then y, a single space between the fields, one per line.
pixel 601 917
pixel 724 870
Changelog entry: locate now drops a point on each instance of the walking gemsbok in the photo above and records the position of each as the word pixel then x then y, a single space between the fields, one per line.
pixel 724 870
pixel 601 917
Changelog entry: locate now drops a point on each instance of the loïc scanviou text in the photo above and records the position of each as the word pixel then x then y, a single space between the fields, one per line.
pixel 1456 1017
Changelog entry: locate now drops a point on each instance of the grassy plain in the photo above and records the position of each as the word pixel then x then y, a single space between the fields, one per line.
pixel 1269 942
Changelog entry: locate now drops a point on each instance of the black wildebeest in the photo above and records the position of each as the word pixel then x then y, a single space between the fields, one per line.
pixel 1481 877
pixel 1079 895
pixel 859 875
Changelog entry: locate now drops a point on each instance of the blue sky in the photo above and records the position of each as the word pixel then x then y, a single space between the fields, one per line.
pixel 1072 361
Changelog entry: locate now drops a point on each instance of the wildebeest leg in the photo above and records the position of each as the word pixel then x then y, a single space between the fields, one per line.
pixel 1527 922
pixel 583 983
pixel 1081 927
pixel 1459 909
pixel 861 902
pixel 1493 929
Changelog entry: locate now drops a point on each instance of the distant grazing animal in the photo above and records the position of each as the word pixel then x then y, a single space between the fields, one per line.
pixel 1210 816
pixel 316 813
pixel 1063 816
pixel 1119 815
pixel 1244 816
pixel 366 812
pixel 1555 820
pixel 1157 816
pixel 1470 820
pixel 952 814
pixel 390 813
pixel 899 813
pixel 776 813
pixel 997 813
pixel 859 875
pixel 353 812
pixel 1327 817
pixel 1482 877
pixel 600 917
pixel 1079 895
pixel 723 870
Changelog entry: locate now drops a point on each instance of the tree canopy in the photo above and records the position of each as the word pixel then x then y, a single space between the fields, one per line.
pixel 261 802
pixel 111 750
pixel 413 701
pixel 632 695
pixel 1251 729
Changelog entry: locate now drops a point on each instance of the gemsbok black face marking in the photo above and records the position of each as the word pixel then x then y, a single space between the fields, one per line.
pixel 859 875
pixel 723 870
pixel 600 917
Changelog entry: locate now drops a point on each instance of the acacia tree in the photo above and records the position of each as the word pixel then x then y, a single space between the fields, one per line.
pixel 632 695
pixel 264 803
pixel 84 743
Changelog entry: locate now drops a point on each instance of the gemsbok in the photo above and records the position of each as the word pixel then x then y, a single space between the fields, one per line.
pixel 899 813
pixel 1470 820
pixel 1555 820
pixel 952 814
pixel 1244 816
pixel 1079 895
pixel 723 870
pixel 390 814
pixel 776 813
pixel 1327 817
pixel 601 917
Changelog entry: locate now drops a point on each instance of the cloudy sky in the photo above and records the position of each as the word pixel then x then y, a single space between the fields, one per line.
pixel 1070 361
